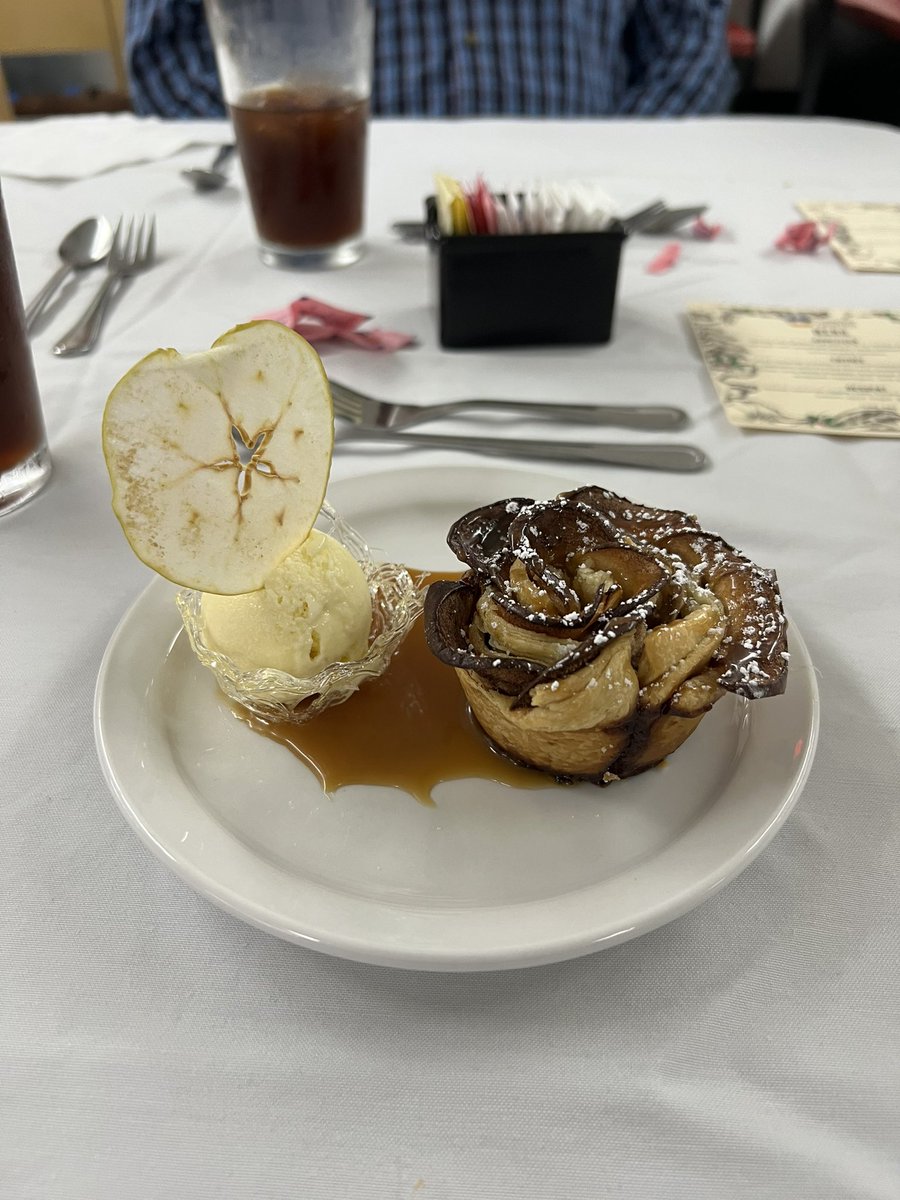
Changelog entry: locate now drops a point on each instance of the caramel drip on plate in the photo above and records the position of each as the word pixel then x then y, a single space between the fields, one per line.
pixel 410 728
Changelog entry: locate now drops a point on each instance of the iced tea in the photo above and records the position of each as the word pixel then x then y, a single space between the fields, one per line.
pixel 303 154
pixel 22 435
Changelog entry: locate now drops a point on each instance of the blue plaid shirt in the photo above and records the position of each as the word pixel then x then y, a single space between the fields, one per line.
pixel 554 58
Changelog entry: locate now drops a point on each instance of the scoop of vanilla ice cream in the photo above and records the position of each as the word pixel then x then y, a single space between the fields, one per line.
pixel 313 610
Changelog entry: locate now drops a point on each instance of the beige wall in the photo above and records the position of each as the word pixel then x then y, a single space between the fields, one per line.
pixel 33 29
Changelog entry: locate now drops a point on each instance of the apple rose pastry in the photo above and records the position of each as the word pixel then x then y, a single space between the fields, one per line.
pixel 591 635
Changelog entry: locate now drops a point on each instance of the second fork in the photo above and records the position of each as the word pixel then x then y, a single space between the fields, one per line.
pixel 132 251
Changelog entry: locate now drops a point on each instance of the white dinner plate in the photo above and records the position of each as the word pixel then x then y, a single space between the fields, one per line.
pixel 490 876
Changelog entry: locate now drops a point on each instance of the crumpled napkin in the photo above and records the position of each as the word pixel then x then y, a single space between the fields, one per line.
pixel 804 237
pixel 77 147
pixel 320 322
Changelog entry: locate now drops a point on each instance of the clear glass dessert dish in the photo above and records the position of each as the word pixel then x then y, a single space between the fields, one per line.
pixel 275 695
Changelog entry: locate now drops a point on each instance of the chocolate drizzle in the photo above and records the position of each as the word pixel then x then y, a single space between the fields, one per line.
pixel 449 609
pixel 545 541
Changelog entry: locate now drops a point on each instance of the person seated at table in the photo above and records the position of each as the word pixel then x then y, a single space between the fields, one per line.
pixel 553 58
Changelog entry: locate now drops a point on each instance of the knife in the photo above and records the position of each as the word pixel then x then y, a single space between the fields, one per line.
pixel 657 456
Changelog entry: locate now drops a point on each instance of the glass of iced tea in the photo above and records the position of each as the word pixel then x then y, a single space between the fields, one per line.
pixel 296 76
pixel 24 458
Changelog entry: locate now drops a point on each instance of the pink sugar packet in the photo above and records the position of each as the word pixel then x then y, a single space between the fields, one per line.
pixel 804 237
pixel 482 206
pixel 665 260
pixel 704 230
pixel 319 322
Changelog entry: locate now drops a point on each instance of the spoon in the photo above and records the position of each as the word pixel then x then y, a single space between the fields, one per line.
pixel 210 179
pixel 84 246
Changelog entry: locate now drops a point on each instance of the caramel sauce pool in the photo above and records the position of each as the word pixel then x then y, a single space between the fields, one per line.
pixel 410 729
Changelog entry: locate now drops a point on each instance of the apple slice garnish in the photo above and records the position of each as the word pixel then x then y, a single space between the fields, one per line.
pixel 219 460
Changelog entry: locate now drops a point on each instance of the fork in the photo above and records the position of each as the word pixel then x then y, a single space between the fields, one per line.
pixel 133 250
pixel 659 218
pixel 671 219
pixel 368 413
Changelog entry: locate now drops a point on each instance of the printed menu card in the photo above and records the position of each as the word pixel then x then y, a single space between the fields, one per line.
pixel 803 370
pixel 865 237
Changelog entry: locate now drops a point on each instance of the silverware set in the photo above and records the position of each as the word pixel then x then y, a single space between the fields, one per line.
pixel 130 249
pixel 87 245
pixel 372 420
pixel 658 218
pixel 126 250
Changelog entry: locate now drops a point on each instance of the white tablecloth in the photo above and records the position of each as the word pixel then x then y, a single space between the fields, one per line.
pixel 152 1046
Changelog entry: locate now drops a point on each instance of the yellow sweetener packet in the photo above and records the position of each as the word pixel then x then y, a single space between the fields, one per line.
pixel 452 213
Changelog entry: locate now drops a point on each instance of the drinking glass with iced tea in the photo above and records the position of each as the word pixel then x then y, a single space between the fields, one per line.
pixel 24 459
pixel 297 76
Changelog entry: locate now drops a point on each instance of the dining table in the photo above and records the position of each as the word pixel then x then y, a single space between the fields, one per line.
pixel 155 1044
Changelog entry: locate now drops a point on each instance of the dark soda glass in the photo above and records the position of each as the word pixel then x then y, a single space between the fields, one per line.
pixel 303 153
pixel 24 463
